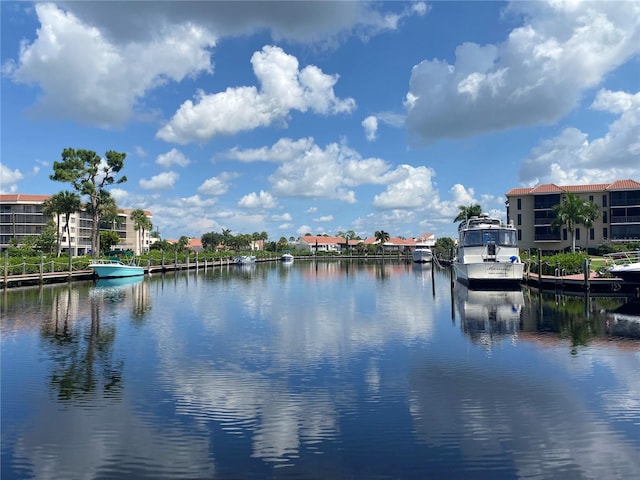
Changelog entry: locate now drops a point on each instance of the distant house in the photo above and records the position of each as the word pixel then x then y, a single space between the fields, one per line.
pixel 428 239
pixel 195 245
pixel 257 245
pixel 321 243
pixel 397 244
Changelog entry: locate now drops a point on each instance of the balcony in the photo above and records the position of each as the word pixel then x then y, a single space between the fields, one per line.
pixel 625 219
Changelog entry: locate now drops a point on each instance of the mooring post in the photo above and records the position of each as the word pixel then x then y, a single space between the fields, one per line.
pixel 586 268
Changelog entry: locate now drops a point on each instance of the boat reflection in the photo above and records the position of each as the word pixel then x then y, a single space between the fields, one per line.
pixel 489 315
pixel 124 290
pixel 104 283
pixel 624 321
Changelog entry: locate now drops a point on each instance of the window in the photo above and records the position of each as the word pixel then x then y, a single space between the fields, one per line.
pixel 546 201
pixel 564 234
pixel 592 234
pixel 591 198
pixel 519 204
pixel 604 200
pixel 519 234
pixel 604 217
pixel 577 234
pixel 605 234
pixel 519 219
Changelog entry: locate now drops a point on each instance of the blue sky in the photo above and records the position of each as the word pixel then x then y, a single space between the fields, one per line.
pixel 320 117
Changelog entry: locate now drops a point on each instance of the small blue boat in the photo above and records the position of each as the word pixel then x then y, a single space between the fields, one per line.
pixel 115 268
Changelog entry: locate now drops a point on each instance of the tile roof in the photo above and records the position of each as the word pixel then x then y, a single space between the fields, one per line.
pixel 627 184
pixel 322 240
pixel 22 197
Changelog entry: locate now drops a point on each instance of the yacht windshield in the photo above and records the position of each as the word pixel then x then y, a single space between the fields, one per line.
pixel 476 238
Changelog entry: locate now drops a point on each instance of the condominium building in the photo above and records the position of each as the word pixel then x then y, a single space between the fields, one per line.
pixel 21 217
pixel 531 211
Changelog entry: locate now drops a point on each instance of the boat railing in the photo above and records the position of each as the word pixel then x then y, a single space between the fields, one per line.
pixel 622 258
pixel 134 262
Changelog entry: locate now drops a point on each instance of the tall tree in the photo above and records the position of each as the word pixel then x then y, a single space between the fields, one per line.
pixel 572 211
pixel 590 212
pixel 64 203
pixel 381 237
pixel 89 174
pixel 141 224
pixel 51 208
pixel 468 211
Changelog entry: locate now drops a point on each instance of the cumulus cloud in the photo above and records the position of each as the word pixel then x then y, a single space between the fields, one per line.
pixel 285 217
pixel 283 150
pixel 409 187
pixel 9 179
pixel 322 23
pixel 173 157
pixel 218 185
pixel 299 174
pixel 570 158
pixel 324 218
pixel 283 88
pixel 258 200
pixel 535 77
pixel 370 125
pixel 86 77
pixel 162 181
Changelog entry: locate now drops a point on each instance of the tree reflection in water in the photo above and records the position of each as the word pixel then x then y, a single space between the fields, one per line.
pixel 81 348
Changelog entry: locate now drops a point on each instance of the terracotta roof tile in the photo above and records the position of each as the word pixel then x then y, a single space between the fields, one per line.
pixel 22 197
pixel 627 184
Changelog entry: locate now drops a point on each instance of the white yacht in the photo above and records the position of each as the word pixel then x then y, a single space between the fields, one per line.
pixel 422 254
pixel 487 252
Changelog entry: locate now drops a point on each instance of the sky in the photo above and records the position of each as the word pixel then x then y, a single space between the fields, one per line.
pixel 321 117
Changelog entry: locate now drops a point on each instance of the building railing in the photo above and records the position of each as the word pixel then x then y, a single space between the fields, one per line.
pixel 625 219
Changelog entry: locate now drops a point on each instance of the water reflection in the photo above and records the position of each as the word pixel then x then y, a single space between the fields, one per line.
pixel 488 315
pixel 624 321
pixel 318 370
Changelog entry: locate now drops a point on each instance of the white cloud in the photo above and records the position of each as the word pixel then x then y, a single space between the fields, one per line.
pixel 536 76
pixel 9 179
pixel 283 88
pixel 162 181
pixel 570 158
pixel 303 229
pixel 261 200
pixel 285 217
pixel 89 78
pixel 218 185
pixel 283 150
pixel 409 187
pixel 321 23
pixel 370 125
pixel 324 218
pixel 173 157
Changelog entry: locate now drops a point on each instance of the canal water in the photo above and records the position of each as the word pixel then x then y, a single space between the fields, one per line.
pixel 317 370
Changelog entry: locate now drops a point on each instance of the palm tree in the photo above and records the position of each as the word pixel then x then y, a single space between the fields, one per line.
pixel 381 237
pixel 468 211
pixel 572 211
pixel 590 212
pixel 141 224
pixel 63 203
pixel 50 208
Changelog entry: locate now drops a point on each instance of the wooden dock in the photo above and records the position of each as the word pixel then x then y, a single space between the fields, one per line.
pixel 580 283
pixel 30 279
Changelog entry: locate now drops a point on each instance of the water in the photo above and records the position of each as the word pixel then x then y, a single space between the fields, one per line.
pixel 327 370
